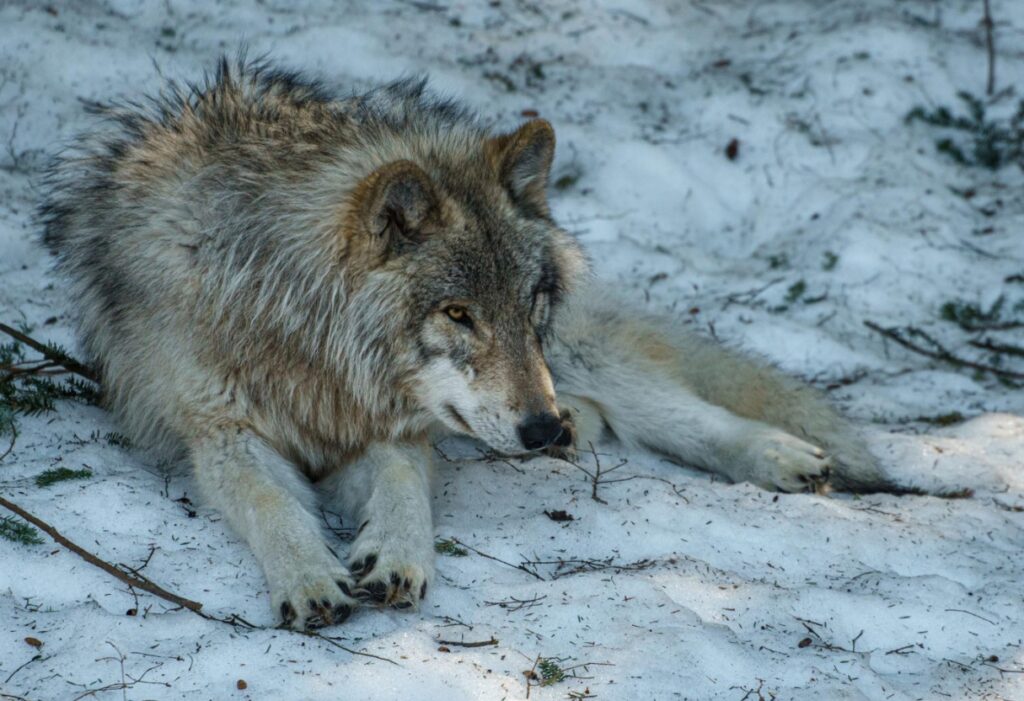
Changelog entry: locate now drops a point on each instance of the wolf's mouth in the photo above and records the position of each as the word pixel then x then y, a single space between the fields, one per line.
pixel 454 413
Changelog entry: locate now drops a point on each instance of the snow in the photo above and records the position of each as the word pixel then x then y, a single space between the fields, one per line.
pixel 711 587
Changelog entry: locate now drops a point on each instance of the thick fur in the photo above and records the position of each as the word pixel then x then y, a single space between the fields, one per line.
pixel 283 283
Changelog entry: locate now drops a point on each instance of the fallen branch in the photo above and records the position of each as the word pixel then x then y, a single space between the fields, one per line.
pixel 132 580
pixel 140 582
pixel 939 352
pixel 59 358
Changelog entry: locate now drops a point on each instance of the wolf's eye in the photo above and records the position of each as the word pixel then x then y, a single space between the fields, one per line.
pixel 459 315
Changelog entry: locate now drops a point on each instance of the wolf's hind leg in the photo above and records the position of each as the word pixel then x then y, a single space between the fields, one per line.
pixel 387 490
pixel 268 502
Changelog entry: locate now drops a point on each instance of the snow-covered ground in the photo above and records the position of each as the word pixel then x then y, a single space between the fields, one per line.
pixel 676 586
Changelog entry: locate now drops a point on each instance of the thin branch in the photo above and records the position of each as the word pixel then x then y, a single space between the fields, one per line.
pixel 990 48
pixel 137 581
pixel 522 568
pixel 141 582
pixel 939 352
pixel 997 347
pixel 14 438
pixel 64 361
pixel 478 643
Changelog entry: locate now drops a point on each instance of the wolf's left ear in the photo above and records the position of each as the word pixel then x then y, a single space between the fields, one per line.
pixel 398 206
pixel 523 162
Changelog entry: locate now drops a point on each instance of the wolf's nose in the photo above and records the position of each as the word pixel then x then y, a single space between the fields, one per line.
pixel 540 431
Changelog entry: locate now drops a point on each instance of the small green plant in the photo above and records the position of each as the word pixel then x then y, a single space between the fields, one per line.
pixel 60 474
pixel 953 417
pixel 550 671
pixel 795 291
pixel 14 530
pixel 976 140
pixel 25 390
pixel 971 317
pixel 450 546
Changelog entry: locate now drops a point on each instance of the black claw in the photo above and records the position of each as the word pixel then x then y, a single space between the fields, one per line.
pixel 407 584
pixel 376 591
pixel 344 587
pixel 342 612
pixel 363 525
pixel 326 603
pixel 365 565
pixel 395 579
pixel 423 590
pixel 287 612
pixel 312 604
pixel 404 604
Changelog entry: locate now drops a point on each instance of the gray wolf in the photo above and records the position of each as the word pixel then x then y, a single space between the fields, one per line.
pixel 298 290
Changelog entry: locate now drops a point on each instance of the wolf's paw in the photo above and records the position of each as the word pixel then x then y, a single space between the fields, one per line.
pixel 784 462
pixel 313 594
pixel 582 420
pixel 393 568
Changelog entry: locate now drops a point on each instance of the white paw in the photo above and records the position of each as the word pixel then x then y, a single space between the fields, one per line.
pixel 393 562
pixel 311 591
pixel 583 420
pixel 784 462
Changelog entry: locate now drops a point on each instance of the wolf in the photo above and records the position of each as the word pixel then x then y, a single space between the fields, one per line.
pixel 297 289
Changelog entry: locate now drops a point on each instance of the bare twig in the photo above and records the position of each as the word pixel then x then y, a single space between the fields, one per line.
pixel 513 604
pixel 521 567
pixel 595 476
pixel 34 658
pixel 64 361
pixel 14 438
pixel 996 347
pixel 478 643
pixel 571 566
pixel 971 613
pixel 939 352
pixel 990 48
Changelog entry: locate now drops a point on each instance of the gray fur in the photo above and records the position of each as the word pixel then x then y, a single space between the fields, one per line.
pixel 272 279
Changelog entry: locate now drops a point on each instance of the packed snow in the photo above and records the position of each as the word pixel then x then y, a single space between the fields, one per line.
pixel 670 584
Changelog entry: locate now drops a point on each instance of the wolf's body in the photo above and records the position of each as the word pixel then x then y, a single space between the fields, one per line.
pixel 286 285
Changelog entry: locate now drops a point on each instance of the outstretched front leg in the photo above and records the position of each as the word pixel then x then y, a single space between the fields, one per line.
pixel 269 503
pixel 674 392
pixel 387 491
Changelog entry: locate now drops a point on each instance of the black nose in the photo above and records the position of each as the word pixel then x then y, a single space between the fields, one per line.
pixel 540 431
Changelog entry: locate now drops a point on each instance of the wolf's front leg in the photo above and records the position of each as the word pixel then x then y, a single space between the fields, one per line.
pixel 684 397
pixel 268 502
pixel 676 422
pixel 387 490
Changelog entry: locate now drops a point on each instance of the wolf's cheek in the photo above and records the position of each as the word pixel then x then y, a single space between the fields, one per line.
pixel 444 390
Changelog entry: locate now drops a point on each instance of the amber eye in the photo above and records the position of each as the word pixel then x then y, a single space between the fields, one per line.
pixel 459 315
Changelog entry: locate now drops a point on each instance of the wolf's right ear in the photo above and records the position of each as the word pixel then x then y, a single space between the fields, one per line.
pixel 396 205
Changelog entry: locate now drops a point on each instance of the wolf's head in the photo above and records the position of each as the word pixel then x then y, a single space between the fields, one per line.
pixel 461 232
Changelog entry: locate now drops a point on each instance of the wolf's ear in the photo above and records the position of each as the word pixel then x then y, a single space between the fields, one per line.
pixel 523 162
pixel 397 204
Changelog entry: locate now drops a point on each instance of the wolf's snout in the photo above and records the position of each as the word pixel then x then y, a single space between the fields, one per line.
pixel 540 430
